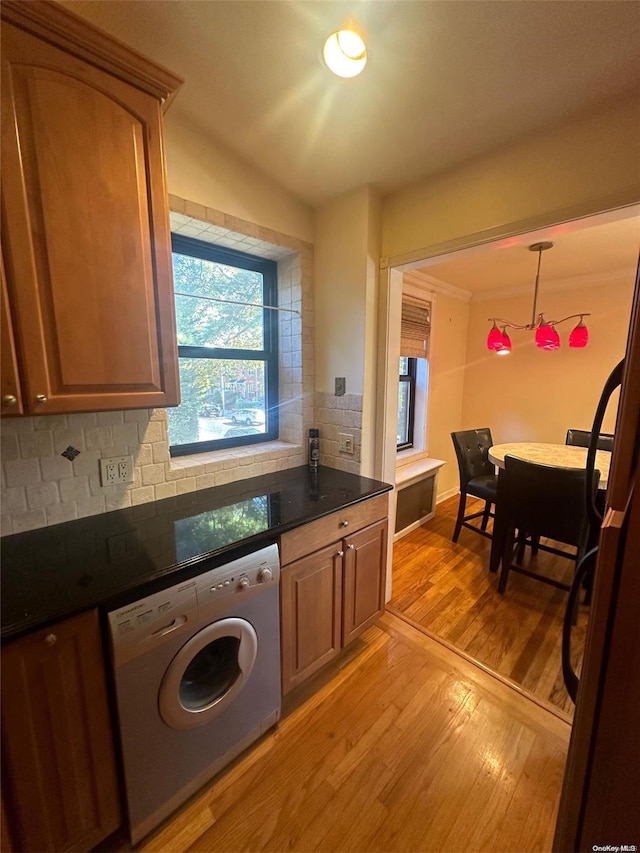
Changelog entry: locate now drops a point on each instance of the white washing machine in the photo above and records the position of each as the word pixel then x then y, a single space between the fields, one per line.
pixel 197 678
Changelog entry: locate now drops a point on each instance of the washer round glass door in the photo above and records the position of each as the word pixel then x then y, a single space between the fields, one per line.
pixel 207 673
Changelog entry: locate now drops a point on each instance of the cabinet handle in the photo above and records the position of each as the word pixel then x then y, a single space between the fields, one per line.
pixel 9 400
pixel 344 523
pixel 340 554
pixel 351 547
pixel 42 398
pixel 50 640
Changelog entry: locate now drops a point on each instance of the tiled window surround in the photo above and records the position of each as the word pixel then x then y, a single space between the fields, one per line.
pixel 40 487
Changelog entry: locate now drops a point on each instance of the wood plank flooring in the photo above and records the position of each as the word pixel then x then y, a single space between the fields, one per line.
pixel 398 745
pixel 448 591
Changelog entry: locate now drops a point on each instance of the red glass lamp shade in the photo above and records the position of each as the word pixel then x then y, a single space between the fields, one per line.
pixel 494 341
pixel 505 343
pixel 546 337
pixel 579 336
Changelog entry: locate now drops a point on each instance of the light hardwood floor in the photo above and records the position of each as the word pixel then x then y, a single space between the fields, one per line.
pixel 448 591
pixel 398 745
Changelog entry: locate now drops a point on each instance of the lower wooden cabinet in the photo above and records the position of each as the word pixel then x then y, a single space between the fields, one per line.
pixel 59 784
pixel 328 598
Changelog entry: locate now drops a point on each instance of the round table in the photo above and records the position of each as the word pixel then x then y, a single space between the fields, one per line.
pixel 558 455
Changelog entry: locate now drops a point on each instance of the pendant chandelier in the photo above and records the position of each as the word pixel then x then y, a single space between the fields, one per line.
pixel 546 337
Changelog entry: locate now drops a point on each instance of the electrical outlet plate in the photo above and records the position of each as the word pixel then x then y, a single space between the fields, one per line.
pixel 117 469
pixel 345 442
pixel 341 385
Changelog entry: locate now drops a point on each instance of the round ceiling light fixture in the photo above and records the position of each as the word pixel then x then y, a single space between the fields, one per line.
pixel 345 53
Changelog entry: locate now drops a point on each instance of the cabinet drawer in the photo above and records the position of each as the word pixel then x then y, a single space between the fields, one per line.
pixel 317 534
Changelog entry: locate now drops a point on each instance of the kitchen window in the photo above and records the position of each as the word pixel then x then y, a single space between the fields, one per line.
pixel 227 348
pixel 406 402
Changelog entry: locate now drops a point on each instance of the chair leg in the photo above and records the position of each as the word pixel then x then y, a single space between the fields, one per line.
pixel 535 545
pixel 460 518
pixel 506 560
pixel 522 541
pixel 485 516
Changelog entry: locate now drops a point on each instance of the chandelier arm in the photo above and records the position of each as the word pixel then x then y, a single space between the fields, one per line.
pixel 570 317
pixel 500 321
pixel 535 291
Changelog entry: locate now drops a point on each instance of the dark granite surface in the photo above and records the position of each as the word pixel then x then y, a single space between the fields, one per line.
pixel 56 572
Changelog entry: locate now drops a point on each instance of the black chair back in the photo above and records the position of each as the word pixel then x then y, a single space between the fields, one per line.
pixel 581 438
pixel 472 451
pixel 547 501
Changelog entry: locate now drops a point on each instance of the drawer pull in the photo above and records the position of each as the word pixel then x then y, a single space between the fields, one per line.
pixel 42 398
pixel 50 640
pixel 351 547
pixel 9 400
pixel 344 523
pixel 340 554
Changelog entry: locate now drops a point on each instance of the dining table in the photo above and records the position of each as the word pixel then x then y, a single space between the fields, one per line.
pixel 542 453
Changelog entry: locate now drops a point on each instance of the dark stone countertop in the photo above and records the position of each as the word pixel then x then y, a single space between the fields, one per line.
pixel 55 572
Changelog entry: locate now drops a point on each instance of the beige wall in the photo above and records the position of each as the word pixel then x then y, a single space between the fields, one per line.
pixel 588 164
pixel 201 170
pixel 532 395
pixel 447 362
pixel 343 279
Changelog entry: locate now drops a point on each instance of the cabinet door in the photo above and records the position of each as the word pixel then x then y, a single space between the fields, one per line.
pixel 11 401
pixel 58 763
pixel 87 244
pixel 365 559
pixel 311 600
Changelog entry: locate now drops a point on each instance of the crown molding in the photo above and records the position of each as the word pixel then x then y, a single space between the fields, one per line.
pixel 424 281
pixel 576 282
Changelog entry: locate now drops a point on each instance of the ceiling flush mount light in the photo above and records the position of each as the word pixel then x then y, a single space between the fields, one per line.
pixel 546 337
pixel 345 53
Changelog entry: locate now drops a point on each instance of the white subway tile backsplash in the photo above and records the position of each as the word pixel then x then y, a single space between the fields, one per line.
pixel 42 494
pixel 34 445
pixel 22 472
pixel 75 489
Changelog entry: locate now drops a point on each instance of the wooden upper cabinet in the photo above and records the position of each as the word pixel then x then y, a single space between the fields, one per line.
pixel 85 216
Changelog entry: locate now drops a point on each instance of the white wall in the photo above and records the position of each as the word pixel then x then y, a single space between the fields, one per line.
pixel 201 170
pixel 589 163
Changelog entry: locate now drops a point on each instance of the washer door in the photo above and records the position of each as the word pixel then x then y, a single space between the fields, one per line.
pixel 207 673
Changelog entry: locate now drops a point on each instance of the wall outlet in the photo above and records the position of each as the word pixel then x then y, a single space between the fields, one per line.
pixel 345 442
pixel 118 469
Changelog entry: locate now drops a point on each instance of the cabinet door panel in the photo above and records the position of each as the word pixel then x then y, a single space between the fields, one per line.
pixel 364 579
pixel 311 598
pixel 85 209
pixel 11 403
pixel 58 763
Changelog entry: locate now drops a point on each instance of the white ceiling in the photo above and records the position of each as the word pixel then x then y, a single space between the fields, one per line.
pixel 446 80
pixel 599 248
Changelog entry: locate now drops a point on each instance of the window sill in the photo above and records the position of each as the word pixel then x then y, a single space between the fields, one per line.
pixel 214 460
pixel 418 470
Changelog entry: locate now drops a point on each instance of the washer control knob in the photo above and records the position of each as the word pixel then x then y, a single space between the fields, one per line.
pixel 265 575
pixel 244 583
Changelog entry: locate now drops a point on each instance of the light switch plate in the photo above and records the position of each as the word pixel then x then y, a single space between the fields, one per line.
pixel 341 385
pixel 345 442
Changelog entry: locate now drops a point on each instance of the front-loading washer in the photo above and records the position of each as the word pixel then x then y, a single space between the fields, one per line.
pixel 197 679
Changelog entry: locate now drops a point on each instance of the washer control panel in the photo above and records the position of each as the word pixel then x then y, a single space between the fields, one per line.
pixel 136 626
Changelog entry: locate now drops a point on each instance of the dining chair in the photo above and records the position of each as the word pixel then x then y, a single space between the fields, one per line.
pixel 477 477
pixel 581 438
pixel 545 501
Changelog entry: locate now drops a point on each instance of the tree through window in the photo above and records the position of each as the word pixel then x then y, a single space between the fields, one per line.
pixel 227 348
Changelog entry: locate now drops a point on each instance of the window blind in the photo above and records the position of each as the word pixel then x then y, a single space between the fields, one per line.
pixel 415 329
